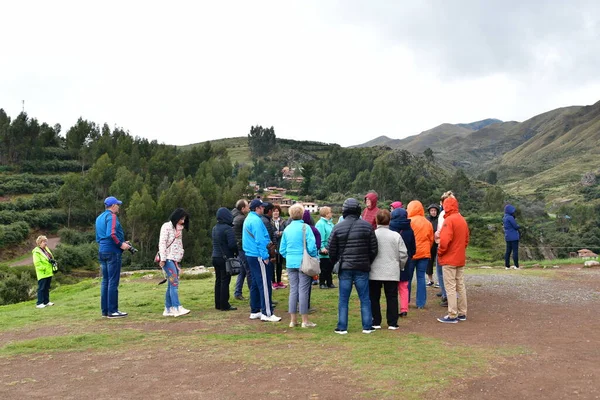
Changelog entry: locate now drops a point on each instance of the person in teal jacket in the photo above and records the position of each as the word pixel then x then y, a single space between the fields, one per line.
pixel 325 226
pixel 45 266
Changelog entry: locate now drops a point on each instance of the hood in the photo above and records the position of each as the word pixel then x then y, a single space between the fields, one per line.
pixel 400 217
pixel 351 207
pixel 451 206
pixel 373 197
pixel 224 216
pixel 307 218
pixel 396 204
pixel 509 209
pixel 433 205
pixel 415 209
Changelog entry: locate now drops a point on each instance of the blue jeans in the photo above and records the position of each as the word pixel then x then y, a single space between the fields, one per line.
pixel 361 281
pixel 110 265
pixel 420 266
pixel 512 246
pixel 43 293
pixel 172 295
pixel 440 275
pixel 245 272
pixel 261 289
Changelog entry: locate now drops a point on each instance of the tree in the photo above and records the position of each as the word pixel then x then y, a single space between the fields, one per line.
pixel 261 140
pixel 428 153
pixel 308 170
pixel 491 177
pixel 75 193
pixel 142 220
pixel 102 174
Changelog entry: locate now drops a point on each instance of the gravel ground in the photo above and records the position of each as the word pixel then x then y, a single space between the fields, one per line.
pixel 536 288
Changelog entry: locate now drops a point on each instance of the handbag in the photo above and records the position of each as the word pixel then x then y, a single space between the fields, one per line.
pixel 310 265
pixel 157 256
pixel 233 266
pixel 338 265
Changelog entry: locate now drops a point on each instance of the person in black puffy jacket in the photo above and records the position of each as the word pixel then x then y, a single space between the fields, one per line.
pixel 353 243
pixel 224 246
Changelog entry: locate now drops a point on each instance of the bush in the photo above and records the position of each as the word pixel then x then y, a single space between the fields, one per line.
pixel 74 237
pixel 15 289
pixel 38 200
pixel 41 167
pixel 82 256
pixel 13 233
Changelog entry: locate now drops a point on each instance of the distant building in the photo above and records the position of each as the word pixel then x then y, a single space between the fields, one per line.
pixel 586 254
pixel 275 198
pixel 311 207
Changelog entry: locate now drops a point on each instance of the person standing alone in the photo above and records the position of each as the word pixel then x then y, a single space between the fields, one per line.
pixel 511 235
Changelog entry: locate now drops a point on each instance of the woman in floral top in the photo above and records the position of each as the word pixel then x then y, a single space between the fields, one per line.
pixel 170 248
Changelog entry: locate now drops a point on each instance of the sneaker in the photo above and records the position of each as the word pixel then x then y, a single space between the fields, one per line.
pixel 272 318
pixel 514 267
pixel 340 332
pixel 403 314
pixel 437 285
pixel 393 327
pixel 376 326
pixel 506 267
pixel 323 287
pixel 293 324
pixel 370 330
pixel 444 302
pixel 308 325
pixel 461 317
pixel 239 297
pixel 315 283
pixel 182 311
pixel 40 306
pixel 274 286
pixel 118 314
pixel 48 304
pixel 447 320
pixel 282 285
pixel 430 283
pixel 332 286
pixel 231 308
pixel 255 315
pixel 168 312
pixel 439 294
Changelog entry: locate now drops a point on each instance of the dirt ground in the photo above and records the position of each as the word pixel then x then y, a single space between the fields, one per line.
pixel 555 322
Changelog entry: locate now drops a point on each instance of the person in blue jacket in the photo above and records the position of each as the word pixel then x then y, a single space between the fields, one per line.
pixel 511 235
pixel 111 244
pixel 255 239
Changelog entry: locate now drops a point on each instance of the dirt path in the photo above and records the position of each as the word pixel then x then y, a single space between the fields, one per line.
pixel 552 323
pixel 52 243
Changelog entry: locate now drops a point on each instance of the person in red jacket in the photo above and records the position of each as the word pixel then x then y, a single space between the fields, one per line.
pixel 452 254
pixel 371 210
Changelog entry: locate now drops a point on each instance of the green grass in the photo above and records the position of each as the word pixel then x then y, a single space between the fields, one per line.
pixel 384 364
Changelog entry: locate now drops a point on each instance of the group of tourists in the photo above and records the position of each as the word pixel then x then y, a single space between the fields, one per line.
pixel 371 249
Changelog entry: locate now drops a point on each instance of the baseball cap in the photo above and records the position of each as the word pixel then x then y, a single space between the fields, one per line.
pixel 111 201
pixel 256 203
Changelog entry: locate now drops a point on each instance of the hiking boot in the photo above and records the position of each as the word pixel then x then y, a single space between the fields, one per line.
pixel 448 320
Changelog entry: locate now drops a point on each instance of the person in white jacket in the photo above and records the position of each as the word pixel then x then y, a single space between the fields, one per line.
pixel 385 270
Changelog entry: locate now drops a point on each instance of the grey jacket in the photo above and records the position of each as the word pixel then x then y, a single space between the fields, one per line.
pixel 391 255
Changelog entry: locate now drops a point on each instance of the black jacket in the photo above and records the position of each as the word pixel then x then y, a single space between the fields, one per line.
pixel 267 221
pixel 222 235
pixel 357 248
pixel 238 225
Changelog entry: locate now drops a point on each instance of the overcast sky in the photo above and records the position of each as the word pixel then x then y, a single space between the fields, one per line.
pixel 335 71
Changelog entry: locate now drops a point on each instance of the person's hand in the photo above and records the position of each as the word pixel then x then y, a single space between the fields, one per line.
pixel 324 251
pixel 266 260
pixel 162 264
pixel 125 246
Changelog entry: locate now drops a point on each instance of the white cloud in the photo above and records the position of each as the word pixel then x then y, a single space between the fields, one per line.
pixel 185 72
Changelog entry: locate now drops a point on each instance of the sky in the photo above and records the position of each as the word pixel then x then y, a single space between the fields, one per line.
pixel 332 71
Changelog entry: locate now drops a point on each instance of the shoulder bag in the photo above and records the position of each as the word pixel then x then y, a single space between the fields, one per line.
pixel 233 266
pixel 310 265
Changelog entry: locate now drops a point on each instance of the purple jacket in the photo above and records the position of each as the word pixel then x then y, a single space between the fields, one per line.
pixel 308 220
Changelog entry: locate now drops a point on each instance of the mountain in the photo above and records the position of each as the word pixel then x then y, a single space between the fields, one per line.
pixel 477 125
pixel 378 141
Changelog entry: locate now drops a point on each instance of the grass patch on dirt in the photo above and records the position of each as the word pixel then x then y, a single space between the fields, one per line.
pixel 388 363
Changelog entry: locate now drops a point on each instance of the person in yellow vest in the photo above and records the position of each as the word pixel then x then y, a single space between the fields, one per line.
pixel 45 266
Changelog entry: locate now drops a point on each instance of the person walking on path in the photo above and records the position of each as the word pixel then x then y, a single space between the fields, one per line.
pixel 45 266
pixel 401 224
pixel 353 243
pixel 511 235
pixel 424 240
pixel 170 250
pixel 385 271
pixel 452 253
pixel 111 245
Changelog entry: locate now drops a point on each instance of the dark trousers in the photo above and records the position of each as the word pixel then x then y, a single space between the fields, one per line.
pixel 325 277
pixel 432 259
pixel 44 291
pixel 391 297
pixel 278 270
pixel 221 284
pixel 512 246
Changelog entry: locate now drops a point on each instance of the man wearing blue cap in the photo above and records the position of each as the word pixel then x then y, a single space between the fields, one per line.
pixel 111 241
pixel 255 239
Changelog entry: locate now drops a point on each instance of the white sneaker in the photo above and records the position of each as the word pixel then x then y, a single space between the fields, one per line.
pixel 182 311
pixel 309 325
pixel 272 318
pixel 376 326
pixel 48 304
pixel 168 312
pixel 255 315
pixel 40 306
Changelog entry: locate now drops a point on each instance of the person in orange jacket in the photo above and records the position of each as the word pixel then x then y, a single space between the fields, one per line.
pixel 452 254
pixel 423 231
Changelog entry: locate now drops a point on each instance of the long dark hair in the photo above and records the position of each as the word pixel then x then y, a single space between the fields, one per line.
pixel 177 215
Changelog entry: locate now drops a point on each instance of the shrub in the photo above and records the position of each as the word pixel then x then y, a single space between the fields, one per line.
pixel 15 289
pixel 13 233
pixel 82 256
pixel 74 237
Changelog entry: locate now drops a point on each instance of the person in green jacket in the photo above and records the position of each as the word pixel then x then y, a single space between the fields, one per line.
pixel 325 226
pixel 45 266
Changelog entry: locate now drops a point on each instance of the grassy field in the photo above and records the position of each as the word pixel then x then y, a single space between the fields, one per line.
pixel 74 325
